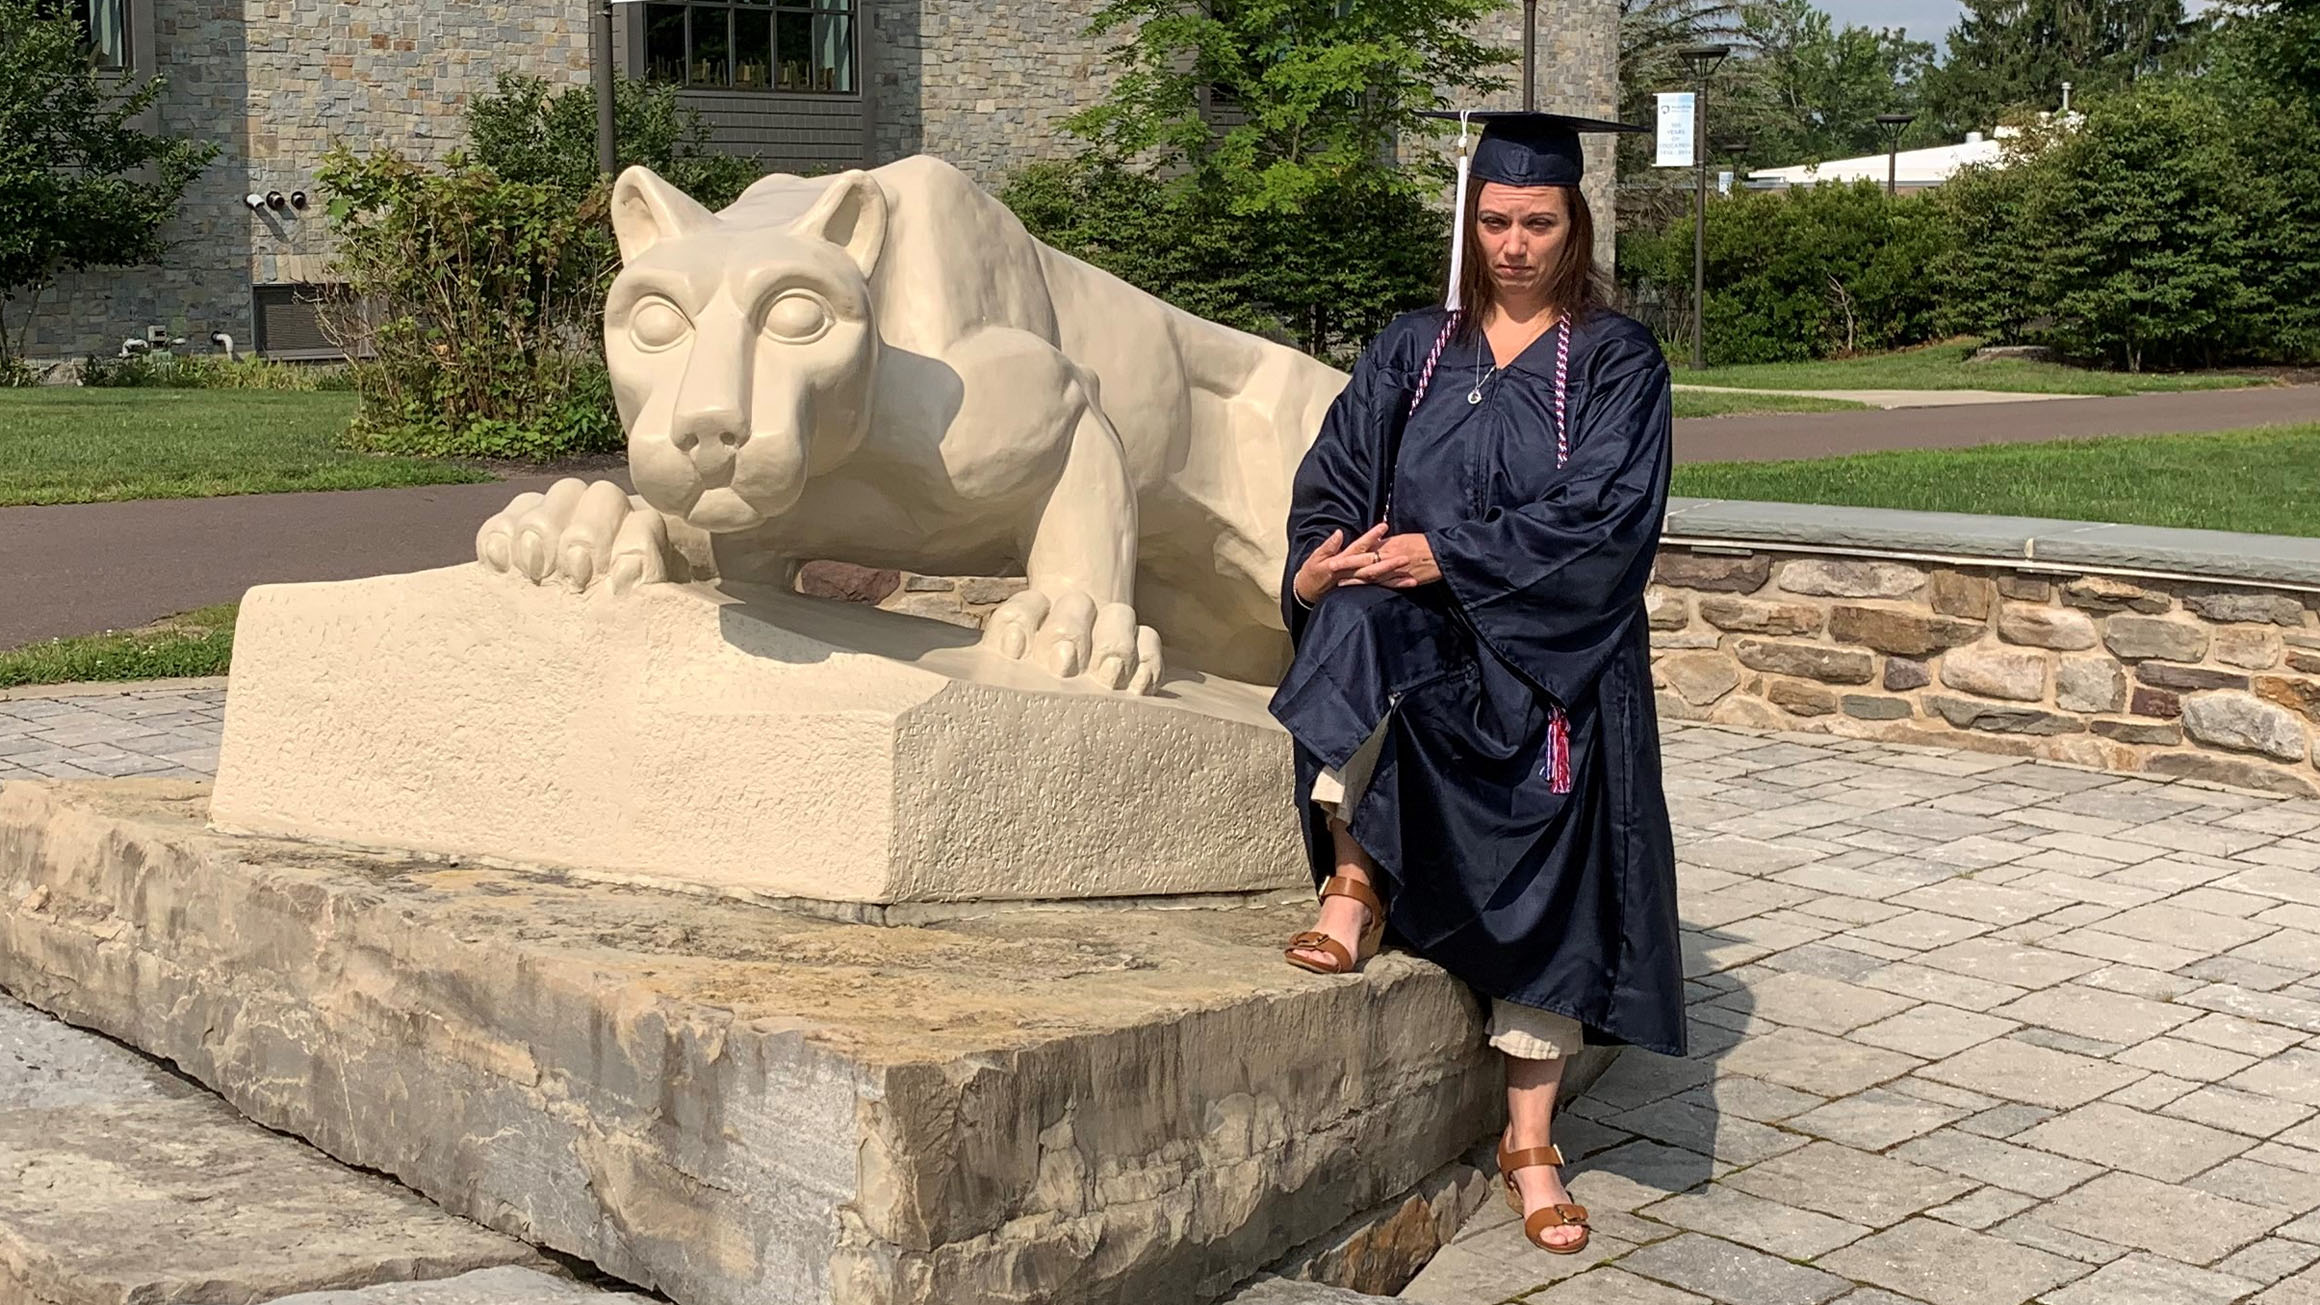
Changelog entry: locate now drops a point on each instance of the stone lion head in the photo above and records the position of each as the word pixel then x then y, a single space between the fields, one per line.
pixel 741 343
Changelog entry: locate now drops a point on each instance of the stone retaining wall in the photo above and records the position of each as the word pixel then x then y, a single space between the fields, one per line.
pixel 2171 654
pixel 2215 680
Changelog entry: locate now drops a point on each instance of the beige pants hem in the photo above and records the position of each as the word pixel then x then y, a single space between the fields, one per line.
pixel 1528 1033
pixel 1340 790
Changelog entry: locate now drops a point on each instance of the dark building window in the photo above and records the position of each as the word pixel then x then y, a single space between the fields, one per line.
pixel 105 24
pixel 752 45
pixel 289 320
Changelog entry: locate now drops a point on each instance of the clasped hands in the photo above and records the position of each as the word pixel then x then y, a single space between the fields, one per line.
pixel 1376 558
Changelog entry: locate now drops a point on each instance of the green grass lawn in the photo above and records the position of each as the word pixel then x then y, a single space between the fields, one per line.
pixel 66 445
pixel 1944 367
pixel 196 643
pixel 2265 480
pixel 1697 403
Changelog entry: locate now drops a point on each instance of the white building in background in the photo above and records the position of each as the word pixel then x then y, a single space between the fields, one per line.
pixel 1912 169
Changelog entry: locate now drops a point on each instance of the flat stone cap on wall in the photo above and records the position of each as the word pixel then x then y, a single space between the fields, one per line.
pixel 2282 560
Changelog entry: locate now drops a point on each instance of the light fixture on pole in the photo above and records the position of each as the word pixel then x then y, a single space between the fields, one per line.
pixel 1703 58
pixel 607 137
pixel 1530 54
pixel 1893 124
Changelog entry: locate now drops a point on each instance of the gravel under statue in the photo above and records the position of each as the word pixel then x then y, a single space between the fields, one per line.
pixel 885 368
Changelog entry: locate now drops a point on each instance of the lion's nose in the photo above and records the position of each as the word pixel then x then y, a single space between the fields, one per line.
pixel 715 429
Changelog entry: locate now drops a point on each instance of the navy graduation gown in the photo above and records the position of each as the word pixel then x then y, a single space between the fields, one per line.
pixel 1559 900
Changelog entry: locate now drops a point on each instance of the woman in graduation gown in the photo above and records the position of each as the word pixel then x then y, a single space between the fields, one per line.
pixel 1471 698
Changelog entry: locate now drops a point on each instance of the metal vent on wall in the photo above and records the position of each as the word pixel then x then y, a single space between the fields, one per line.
pixel 290 321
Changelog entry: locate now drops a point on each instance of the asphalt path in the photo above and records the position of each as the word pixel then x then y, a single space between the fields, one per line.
pixel 86 567
pixel 83 567
pixel 1774 435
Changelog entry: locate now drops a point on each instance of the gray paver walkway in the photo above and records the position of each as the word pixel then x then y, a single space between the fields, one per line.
pixel 1753 437
pixel 1967 1030
pixel 162 734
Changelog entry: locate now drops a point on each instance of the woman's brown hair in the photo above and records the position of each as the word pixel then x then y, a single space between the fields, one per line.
pixel 1574 289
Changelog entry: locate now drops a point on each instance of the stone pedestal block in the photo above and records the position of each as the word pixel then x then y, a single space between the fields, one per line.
pixel 739 738
pixel 742 1105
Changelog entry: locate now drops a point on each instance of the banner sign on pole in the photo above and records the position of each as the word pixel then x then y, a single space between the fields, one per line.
pixel 1675 130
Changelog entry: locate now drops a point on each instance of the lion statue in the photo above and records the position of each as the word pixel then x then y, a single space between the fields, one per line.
pixel 885 368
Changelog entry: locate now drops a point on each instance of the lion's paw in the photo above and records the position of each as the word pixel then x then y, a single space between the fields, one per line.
pixel 1068 635
pixel 578 534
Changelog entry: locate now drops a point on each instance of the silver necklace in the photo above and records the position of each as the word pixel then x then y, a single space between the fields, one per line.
pixel 1475 395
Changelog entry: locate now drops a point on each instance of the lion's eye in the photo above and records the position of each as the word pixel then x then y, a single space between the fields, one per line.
pixel 798 317
pixel 656 324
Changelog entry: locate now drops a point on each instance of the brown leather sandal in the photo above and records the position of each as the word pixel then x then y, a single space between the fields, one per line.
pixel 1550 1216
pixel 1314 940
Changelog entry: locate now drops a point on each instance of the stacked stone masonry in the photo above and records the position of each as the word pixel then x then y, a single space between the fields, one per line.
pixel 2172 677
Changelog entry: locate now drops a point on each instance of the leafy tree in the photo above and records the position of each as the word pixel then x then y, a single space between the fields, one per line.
pixel 1807 90
pixel 529 130
pixel 1274 105
pixel 1244 165
pixel 2010 56
pixel 1816 272
pixel 2172 228
pixel 1650 33
pixel 2270 46
pixel 1327 288
pixel 81 186
pixel 476 289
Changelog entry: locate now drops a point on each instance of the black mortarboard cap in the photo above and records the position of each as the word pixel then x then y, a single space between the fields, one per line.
pixel 1520 147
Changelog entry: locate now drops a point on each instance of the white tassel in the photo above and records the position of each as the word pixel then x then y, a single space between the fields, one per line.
pixel 1452 300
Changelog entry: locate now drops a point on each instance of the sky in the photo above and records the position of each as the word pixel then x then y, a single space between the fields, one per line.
pixel 1927 20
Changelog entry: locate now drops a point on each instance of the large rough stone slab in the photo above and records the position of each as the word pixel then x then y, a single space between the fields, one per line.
pixel 121 1182
pixel 740 738
pixel 2245 723
pixel 1844 578
pixel 2064 628
pixel 1813 661
pixel 48 1065
pixel 1995 672
pixel 1910 634
pixel 185 1201
pixel 740 1105
pixel 482 1287
pixel 2137 637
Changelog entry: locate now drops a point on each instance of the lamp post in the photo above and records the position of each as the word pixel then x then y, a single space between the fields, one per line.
pixel 1703 59
pixel 607 143
pixel 1530 55
pixel 1893 124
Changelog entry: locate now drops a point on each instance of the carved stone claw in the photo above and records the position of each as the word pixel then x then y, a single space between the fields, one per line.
pixel 579 535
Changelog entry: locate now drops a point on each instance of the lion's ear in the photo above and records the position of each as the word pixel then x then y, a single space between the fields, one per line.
pixel 852 214
pixel 647 210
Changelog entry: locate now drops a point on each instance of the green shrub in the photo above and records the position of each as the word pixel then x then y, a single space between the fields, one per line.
pixel 531 130
pixel 1816 272
pixel 2173 228
pixel 1325 287
pixel 476 290
pixel 210 372
pixel 470 307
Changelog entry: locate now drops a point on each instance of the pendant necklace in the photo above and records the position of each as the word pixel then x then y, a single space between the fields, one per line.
pixel 1475 395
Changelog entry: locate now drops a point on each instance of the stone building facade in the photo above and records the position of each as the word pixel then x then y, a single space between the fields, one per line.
pixel 986 84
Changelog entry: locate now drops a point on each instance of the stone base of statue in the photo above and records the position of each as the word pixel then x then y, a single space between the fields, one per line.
pixel 740 739
pixel 740 1104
